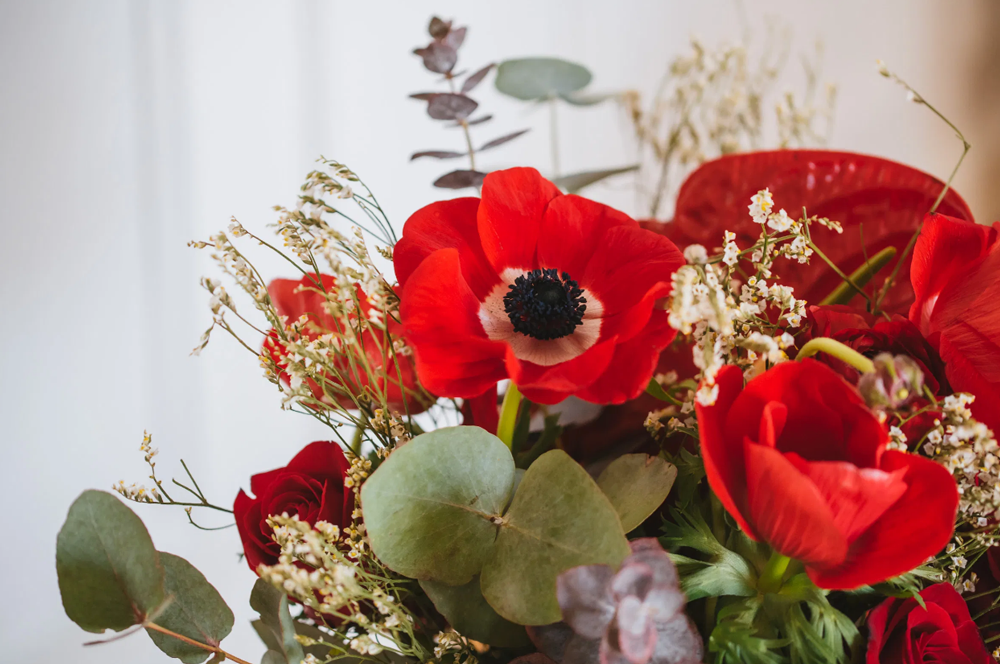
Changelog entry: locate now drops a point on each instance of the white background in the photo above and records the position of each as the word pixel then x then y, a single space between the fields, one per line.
pixel 130 127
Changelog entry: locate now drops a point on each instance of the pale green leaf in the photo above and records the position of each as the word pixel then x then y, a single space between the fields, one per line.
pixel 468 612
pixel 637 484
pixel 574 182
pixel 272 605
pixel 540 78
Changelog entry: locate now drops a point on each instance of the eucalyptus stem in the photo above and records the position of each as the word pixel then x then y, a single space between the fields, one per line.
pixel 837 350
pixel 508 414
pixel 554 137
pixel 197 644
pixel 771 578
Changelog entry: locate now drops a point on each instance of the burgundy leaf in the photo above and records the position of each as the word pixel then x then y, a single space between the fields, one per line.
pixel 558 642
pixel 450 107
pixel 460 180
pixel 439 29
pixel 480 120
pixel 677 642
pixel 585 599
pixel 649 552
pixel 503 139
pixel 454 38
pixel 634 579
pixel 438 57
pixel 476 79
pixel 636 632
pixel 437 154
pixel 424 96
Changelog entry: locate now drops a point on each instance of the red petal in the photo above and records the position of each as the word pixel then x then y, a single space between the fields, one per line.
pixel 483 410
pixel 723 456
pixel 631 262
pixel 772 423
pixel 916 527
pixel 571 232
pixel 295 297
pixel 550 385
pixel 789 511
pixel 964 376
pixel 442 225
pixel 884 200
pixel 440 316
pixel 510 215
pixel 322 459
pixel 633 364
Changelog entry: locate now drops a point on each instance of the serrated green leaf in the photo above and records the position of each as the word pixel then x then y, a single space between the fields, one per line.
pixel 559 519
pixel 196 610
pixel 471 615
pixel 272 605
pixel 737 643
pixel 540 78
pixel 574 182
pixel 637 484
pixel 430 508
pixel 730 574
pixel 110 575
pixel 688 529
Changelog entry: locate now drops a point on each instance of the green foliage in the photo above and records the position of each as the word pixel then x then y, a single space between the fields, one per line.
pixel 272 605
pixel 637 484
pixel 431 509
pixel 470 614
pixel 690 473
pixel 574 182
pixel 110 575
pixel 737 643
pixel 531 79
pixel 196 611
pixel 435 510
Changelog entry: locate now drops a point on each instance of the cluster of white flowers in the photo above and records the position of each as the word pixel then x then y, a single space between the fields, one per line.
pixel 138 492
pixel 451 642
pixel 969 450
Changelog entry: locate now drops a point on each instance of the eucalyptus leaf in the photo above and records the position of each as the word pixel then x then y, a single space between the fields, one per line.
pixel 576 181
pixel 460 179
pixel 637 484
pixel 475 79
pixel 585 99
pixel 110 575
pixel 540 78
pixel 447 106
pixel 272 605
pixel 271 641
pixel 496 142
pixel 468 612
pixel 559 519
pixel 196 611
pixel 432 508
pixel 437 154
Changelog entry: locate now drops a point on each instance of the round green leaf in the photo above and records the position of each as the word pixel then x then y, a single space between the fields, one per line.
pixel 637 484
pixel 431 507
pixel 540 78
pixel 196 611
pixel 272 605
pixel 110 576
pixel 468 612
pixel 559 519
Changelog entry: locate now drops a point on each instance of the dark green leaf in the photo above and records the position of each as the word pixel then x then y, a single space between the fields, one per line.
pixel 471 616
pixel 540 78
pixel 272 605
pixel 727 576
pixel 110 575
pixel 576 181
pixel 430 508
pixel 637 484
pixel 559 519
pixel 196 611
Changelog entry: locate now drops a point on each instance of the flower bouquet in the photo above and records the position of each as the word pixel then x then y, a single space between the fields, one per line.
pixel 759 432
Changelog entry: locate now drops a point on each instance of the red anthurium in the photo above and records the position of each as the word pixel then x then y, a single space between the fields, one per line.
pixel 956 279
pixel 800 463
pixel 294 299
pixel 555 292
pixel 879 203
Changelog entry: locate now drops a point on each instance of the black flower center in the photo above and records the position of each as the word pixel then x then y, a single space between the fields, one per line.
pixel 544 305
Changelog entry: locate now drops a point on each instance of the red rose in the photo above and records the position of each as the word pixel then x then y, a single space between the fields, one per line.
pixel 897 336
pixel 903 632
pixel 555 292
pixel 956 279
pixel 311 486
pixel 879 203
pixel 294 299
pixel 800 463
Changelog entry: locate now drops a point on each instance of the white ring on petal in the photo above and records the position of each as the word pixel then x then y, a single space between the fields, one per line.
pixel 544 353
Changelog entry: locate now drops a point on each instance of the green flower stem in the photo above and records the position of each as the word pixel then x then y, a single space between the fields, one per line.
pixel 770 579
pixel 839 351
pixel 508 414
pixel 843 293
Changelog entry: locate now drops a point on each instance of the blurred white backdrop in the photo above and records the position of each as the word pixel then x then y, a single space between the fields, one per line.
pixel 129 127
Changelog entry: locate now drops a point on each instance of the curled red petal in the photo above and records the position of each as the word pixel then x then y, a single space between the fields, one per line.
pixel 510 216
pixel 571 232
pixel 550 385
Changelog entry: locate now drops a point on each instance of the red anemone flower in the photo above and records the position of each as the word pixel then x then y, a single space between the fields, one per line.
pixel 956 279
pixel 880 204
pixel 799 462
pixel 294 299
pixel 555 292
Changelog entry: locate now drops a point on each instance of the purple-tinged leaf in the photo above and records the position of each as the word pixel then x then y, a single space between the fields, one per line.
pixel 585 599
pixel 455 38
pixel 664 603
pixel 649 552
pixel 438 28
pixel 460 180
pixel 608 649
pixel 481 120
pixel 451 107
pixel 636 632
pixel 438 57
pixel 424 96
pixel 632 580
pixel 558 642
pixel 437 154
pixel 677 642
pixel 476 79
pixel 496 142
